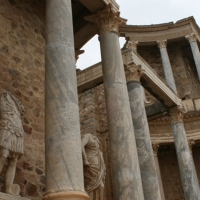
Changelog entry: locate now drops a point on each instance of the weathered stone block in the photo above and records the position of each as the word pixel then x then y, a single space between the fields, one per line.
pixel 188 105
pixel 197 104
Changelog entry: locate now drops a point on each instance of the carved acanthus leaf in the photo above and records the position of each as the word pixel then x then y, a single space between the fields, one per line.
pixel 176 115
pixel 133 72
pixel 162 44
pixel 155 147
pixel 107 20
pixel 191 37
pixel 131 45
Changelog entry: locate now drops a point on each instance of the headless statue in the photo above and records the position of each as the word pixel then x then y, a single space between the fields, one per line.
pixel 11 136
pixel 94 167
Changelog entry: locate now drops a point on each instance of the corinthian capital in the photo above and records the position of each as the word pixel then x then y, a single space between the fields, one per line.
pixel 162 44
pixel 107 20
pixel 133 72
pixel 176 115
pixel 131 45
pixel 191 143
pixel 155 147
pixel 191 37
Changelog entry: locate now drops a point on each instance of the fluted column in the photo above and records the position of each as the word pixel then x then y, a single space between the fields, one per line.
pixel 63 157
pixel 155 152
pixel 167 65
pixel 126 177
pixel 185 160
pixel 142 135
pixel 195 51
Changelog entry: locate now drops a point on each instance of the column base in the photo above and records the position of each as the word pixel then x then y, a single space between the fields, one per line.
pixel 67 195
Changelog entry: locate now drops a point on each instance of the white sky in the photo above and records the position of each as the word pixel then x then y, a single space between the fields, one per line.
pixel 143 12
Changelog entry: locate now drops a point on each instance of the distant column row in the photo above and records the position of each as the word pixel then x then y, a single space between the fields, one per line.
pixel 162 45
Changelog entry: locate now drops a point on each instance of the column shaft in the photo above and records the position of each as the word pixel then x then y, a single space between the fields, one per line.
pixel 167 66
pixel 63 157
pixel 124 159
pixel 196 55
pixel 143 140
pixel 186 164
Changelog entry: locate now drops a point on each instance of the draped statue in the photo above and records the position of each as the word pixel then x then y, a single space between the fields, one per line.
pixel 11 136
pixel 94 167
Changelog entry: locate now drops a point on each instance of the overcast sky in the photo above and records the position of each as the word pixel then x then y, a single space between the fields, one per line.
pixel 143 12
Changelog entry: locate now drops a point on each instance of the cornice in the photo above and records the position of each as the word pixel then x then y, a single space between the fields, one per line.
pixel 167 25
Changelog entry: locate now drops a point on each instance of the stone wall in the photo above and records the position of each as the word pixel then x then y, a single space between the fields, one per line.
pixel 22 73
pixel 170 173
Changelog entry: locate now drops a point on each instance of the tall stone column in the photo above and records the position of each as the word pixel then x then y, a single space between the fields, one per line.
pixel 63 157
pixel 142 135
pixel 167 65
pixel 185 160
pixel 126 178
pixel 195 51
pixel 155 152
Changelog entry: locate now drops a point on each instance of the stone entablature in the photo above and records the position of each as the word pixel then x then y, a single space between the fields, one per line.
pixel 149 34
pixel 92 76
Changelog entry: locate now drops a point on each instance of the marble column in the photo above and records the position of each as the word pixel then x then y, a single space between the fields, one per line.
pixel 195 51
pixel 126 178
pixel 185 161
pixel 142 135
pixel 167 65
pixel 155 152
pixel 63 157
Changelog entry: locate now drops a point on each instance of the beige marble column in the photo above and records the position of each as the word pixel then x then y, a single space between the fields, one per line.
pixel 149 176
pixel 155 147
pixel 167 65
pixel 126 178
pixel 63 157
pixel 186 164
pixel 195 51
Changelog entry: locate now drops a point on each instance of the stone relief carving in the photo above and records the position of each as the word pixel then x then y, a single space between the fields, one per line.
pixel 11 137
pixel 94 167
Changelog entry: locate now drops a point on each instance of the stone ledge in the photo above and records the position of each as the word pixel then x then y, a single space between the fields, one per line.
pixel 4 196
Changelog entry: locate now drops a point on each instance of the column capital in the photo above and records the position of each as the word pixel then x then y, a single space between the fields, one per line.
pixel 106 20
pixel 155 147
pixel 191 143
pixel 176 115
pixel 191 37
pixel 133 72
pixel 129 44
pixel 162 44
